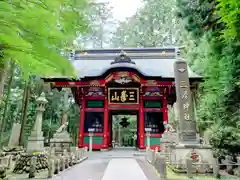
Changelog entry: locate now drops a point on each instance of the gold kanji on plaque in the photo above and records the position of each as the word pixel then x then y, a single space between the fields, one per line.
pixel 123 96
pixel 115 97
pixel 131 98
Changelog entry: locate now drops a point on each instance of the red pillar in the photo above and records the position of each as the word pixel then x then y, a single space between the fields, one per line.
pixel 141 124
pixel 105 125
pixel 81 128
pixel 165 110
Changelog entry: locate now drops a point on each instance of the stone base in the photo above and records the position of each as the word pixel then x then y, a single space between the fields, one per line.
pixel 35 144
pixel 14 152
pixel 3 172
pixel 23 163
pixel 201 155
pixel 141 150
pixel 13 149
pixel 61 141
pixel 104 150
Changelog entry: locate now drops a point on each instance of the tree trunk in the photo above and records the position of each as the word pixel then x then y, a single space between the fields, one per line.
pixel 152 34
pixel 3 72
pixel 24 111
pixel 66 107
pixel 7 100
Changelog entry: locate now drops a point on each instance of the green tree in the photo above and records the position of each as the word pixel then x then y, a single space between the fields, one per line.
pixel 216 57
pixel 229 12
pixel 154 24
pixel 34 33
pixel 101 23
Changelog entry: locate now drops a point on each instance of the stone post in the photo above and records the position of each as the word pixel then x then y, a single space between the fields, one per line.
pixel 91 131
pixel 66 162
pixel 161 166
pixel 189 167
pixel 215 168
pixel 57 166
pixel 77 155
pixel 229 166
pixel 70 160
pixel 32 169
pixel 148 132
pixel 62 163
pixel 36 139
pixel 154 156
pixel 90 142
pixel 148 140
pixel 51 168
pixel 238 162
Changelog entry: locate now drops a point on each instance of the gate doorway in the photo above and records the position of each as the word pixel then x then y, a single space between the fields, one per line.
pixel 123 128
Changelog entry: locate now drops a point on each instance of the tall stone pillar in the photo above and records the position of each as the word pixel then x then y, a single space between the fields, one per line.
pixel 36 139
pixel 188 143
pixel 187 125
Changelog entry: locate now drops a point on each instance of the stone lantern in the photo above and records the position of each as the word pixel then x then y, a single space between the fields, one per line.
pixel 36 139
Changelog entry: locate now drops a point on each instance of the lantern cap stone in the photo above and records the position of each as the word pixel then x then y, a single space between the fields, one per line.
pixel 42 98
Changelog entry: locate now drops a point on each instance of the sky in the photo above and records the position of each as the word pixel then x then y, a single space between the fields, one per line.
pixel 123 8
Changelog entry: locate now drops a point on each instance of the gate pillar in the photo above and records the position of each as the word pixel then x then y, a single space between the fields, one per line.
pixel 141 135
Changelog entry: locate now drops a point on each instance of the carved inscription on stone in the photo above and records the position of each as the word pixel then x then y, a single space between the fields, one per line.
pixel 187 127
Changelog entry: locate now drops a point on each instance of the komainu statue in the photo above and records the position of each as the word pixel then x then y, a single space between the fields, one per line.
pixel 62 128
pixel 170 129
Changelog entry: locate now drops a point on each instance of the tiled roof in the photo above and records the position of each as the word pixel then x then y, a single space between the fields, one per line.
pixel 147 63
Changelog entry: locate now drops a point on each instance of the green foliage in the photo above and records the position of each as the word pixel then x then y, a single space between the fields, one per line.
pixel 229 12
pixel 218 60
pixel 34 33
pixel 153 25
pixel 100 18
pixel 198 15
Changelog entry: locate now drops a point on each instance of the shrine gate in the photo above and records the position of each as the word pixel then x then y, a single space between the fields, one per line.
pixel 139 81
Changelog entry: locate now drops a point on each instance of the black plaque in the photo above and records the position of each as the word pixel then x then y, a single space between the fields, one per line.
pixel 123 95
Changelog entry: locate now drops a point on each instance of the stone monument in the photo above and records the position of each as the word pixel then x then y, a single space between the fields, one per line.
pixel 36 139
pixel 13 147
pixel 61 139
pixel 168 138
pixel 35 146
pixel 188 143
pixel 15 134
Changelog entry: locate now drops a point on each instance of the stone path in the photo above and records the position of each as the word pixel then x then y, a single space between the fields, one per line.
pixel 88 170
pixel 112 165
pixel 127 169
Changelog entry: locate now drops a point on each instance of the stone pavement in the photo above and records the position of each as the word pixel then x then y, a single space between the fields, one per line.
pixel 111 165
pixel 123 168
pixel 92 169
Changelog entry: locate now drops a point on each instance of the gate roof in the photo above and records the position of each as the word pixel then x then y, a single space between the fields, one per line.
pixel 150 62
